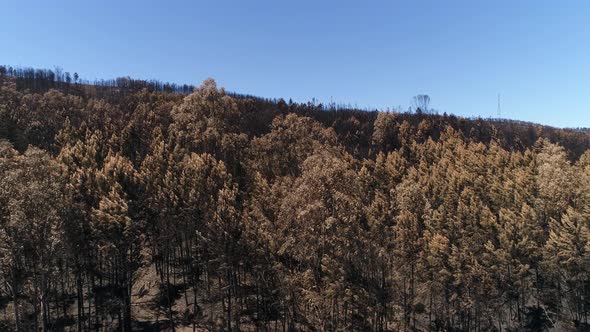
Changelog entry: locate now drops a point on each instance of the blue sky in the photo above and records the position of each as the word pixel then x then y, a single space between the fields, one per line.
pixel 377 54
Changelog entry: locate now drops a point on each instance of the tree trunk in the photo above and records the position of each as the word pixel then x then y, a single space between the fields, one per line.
pixel 168 294
pixel 79 291
pixel 15 300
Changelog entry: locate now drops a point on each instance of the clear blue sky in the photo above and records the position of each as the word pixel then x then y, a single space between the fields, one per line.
pixel 536 54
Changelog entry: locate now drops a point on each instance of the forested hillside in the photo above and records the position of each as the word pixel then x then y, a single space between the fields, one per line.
pixel 135 206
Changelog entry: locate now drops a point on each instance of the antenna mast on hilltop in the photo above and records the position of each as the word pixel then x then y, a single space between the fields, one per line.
pixel 499 108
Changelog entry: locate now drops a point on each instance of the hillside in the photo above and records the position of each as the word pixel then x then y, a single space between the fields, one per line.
pixel 354 127
pixel 139 205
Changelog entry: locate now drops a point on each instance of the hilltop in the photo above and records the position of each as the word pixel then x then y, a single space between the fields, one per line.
pixel 354 127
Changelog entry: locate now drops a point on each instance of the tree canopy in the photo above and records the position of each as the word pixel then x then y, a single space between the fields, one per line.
pixel 145 206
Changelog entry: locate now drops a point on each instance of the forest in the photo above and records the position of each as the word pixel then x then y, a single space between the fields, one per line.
pixel 133 205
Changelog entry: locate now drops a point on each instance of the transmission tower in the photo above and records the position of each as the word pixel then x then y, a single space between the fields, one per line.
pixel 499 108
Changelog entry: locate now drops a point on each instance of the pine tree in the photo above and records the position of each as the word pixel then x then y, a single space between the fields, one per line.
pixel 385 132
pixel 31 230
pixel 567 257
pixel 118 228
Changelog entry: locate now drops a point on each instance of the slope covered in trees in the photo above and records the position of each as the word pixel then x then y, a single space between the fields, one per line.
pixel 138 207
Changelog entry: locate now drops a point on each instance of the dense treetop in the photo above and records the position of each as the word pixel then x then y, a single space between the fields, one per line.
pixel 134 205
